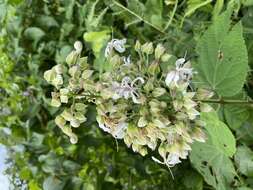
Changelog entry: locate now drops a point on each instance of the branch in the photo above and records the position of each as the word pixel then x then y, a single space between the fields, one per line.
pixel 138 16
pixel 220 101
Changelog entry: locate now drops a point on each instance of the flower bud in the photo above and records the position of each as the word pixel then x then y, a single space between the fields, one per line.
pixel 166 57
pixel 159 51
pixel 87 74
pixel 60 121
pixel 49 75
pixel 154 68
pixel 137 46
pixel 73 138
pixel 66 114
pixel 74 71
pixel 78 46
pixel 142 122
pixel 55 102
pixel 58 68
pixel 64 95
pixel 71 58
pixel 205 107
pixel 57 81
pixel 74 123
pixel 147 48
pixel 157 92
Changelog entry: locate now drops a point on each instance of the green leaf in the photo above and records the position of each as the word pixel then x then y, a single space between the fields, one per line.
pixel 33 185
pixel 52 183
pixel 211 159
pixel 223 60
pixel 34 33
pixel 235 115
pixel 244 160
pixel 193 5
pixel 217 130
pixel 97 40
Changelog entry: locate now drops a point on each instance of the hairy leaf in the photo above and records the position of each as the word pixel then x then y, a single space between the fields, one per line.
pixel 223 60
pixel 211 159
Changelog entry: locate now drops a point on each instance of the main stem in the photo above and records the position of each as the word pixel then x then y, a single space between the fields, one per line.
pixel 221 101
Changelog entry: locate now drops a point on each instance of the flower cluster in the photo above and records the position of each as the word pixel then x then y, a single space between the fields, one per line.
pixel 137 100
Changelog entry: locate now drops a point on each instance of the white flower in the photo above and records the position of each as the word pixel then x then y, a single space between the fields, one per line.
pixel 117 131
pixel 128 89
pixel 182 73
pixel 172 159
pixel 127 60
pixel 118 45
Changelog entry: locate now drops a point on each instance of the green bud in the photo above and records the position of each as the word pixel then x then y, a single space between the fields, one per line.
pixel 74 123
pixel 166 57
pixel 159 51
pixel 57 81
pixel 142 122
pixel 157 92
pixel 71 58
pixel 137 46
pixel 80 116
pixel 143 151
pixel 80 107
pixel 87 74
pixel 147 48
pixel 205 107
pixel 60 121
pixel 82 62
pixel 154 68
pixel 75 71
pixel 204 94
pixel 66 129
pixel 58 69
pixel 64 95
pixel 73 138
pixel 149 86
pixel 55 102
pixel 49 75
pixel 66 114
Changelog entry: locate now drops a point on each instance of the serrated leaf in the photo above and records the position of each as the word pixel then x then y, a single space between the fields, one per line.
pixel 223 60
pixel 244 160
pixel 211 159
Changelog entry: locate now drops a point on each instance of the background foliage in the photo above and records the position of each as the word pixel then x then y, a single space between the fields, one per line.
pixel 36 35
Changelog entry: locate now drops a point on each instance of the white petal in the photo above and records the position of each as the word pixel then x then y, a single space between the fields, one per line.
pixel 173 159
pixel 156 160
pixel 137 79
pixel 119 132
pixel 103 126
pixel 180 62
pixel 119 45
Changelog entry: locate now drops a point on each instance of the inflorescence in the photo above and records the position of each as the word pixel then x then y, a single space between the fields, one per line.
pixel 150 108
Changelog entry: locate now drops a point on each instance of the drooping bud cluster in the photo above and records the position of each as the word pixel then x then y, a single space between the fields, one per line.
pixel 137 100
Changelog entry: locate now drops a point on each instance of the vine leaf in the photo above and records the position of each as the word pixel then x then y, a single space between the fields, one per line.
pixel 211 159
pixel 223 60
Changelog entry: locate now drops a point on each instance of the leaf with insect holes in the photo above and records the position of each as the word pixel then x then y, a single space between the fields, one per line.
pixel 223 60
pixel 211 159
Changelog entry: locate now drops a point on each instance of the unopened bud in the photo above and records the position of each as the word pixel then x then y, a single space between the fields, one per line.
pixel 159 51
